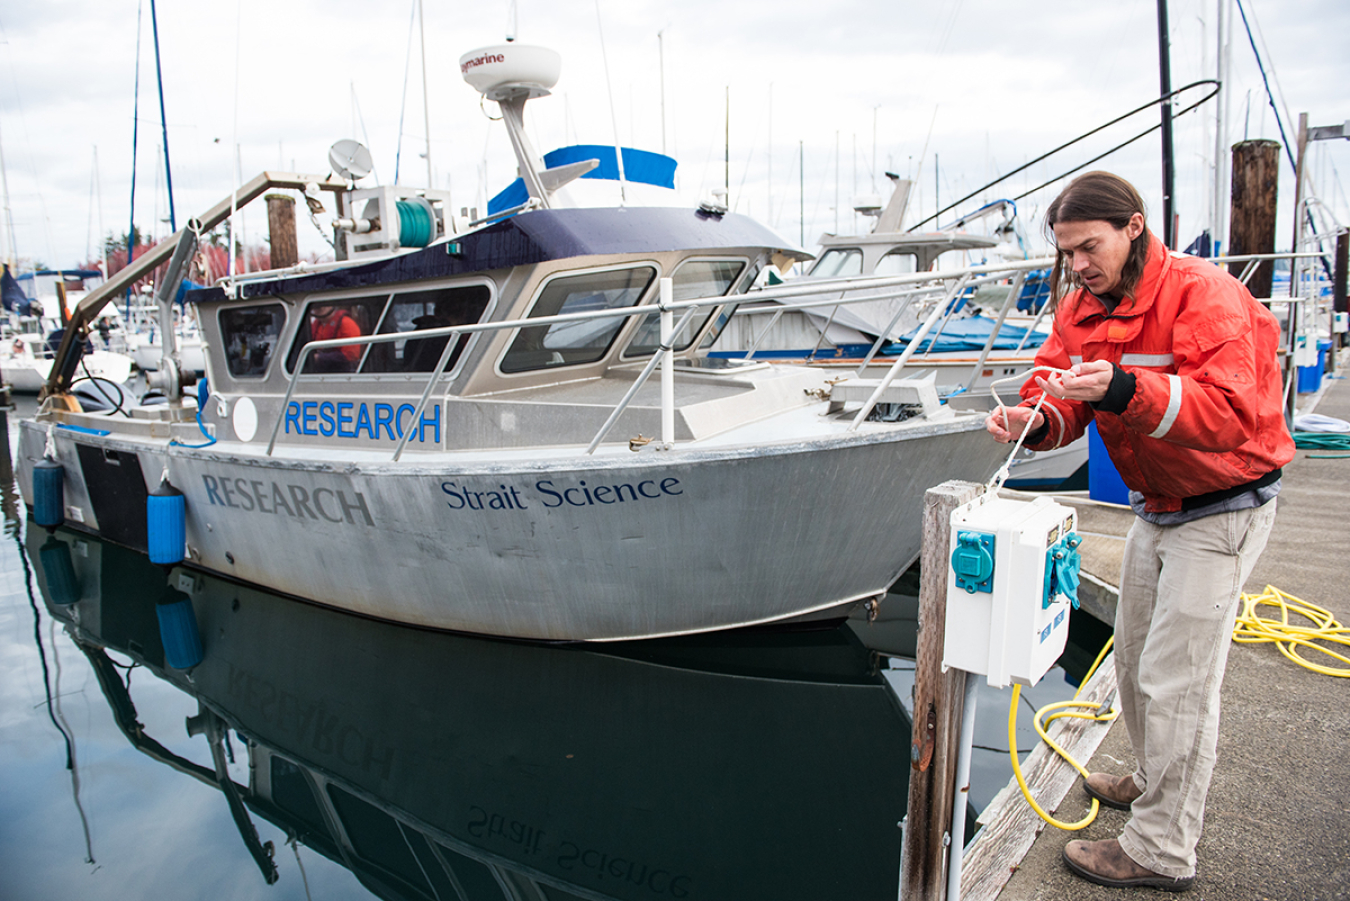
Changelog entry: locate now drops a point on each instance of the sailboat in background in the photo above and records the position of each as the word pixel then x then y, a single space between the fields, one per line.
pixel 32 329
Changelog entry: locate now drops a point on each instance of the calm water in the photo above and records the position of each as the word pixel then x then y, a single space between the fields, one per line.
pixel 317 755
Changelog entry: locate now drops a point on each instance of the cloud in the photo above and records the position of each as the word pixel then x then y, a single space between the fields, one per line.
pixel 997 82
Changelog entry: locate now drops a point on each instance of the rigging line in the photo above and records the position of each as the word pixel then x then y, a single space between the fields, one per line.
pixel 42 652
pixel 74 769
pixel 403 102
pixel 135 133
pixel 918 171
pixel 365 134
pixel 163 121
pixel 609 85
pixel 1088 134
pixel 234 193
pixel 745 173
pixel 1109 152
pixel 1270 98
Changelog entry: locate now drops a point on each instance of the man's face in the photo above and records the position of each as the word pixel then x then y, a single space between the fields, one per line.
pixel 1097 250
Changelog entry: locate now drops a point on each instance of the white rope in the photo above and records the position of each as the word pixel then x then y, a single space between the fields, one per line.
pixel 996 482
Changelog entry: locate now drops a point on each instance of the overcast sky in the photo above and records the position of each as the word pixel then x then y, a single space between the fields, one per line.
pixel 952 94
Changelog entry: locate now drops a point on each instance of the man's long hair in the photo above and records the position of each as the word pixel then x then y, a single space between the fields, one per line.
pixel 1101 196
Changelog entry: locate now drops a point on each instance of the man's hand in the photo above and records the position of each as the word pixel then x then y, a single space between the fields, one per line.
pixel 1006 424
pixel 1085 382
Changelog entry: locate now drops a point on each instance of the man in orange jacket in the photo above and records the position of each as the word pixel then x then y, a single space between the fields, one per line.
pixel 1176 363
pixel 327 322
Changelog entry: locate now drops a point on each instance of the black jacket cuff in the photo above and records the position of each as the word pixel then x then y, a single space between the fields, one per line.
pixel 1118 394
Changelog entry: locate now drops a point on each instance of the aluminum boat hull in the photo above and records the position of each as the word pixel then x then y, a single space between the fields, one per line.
pixel 616 546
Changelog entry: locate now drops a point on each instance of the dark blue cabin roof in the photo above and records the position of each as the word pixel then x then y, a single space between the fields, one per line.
pixel 535 237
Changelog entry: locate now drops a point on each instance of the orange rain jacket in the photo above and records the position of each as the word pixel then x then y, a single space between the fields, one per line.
pixel 1207 412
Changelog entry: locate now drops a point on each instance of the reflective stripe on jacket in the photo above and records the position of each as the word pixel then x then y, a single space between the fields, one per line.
pixel 1207 412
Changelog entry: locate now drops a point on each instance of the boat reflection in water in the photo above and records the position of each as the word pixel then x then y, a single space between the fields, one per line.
pixel 435 765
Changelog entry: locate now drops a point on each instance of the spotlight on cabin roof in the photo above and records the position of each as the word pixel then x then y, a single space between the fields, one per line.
pixel 508 70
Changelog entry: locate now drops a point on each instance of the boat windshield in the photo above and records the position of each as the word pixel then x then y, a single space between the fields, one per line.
pixel 583 341
pixel 694 278
pixel 250 335
pixel 838 263
pixel 897 262
pixel 412 311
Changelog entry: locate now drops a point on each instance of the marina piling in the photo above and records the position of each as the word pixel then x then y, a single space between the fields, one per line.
pixel 1256 170
pixel 938 707
pixel 281 230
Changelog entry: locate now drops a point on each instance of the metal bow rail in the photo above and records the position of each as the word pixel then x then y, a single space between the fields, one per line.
pixel 946 285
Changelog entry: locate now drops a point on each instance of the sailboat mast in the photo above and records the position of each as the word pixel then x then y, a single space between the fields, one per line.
pixel 426 113
pixel 10 248
pixel 135 134
pixel 1165 80
pixel 1223 29
pixel 163 121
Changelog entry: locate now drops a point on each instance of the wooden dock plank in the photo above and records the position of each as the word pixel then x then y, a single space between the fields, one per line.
pixel 1009 824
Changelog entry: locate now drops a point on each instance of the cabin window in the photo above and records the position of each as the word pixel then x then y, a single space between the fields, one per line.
pixel 694 278
pixel 838 263
pixel 378 838
pixel 415 310
pixel 325 318
pixel 475 877
pixel 292 793
pixel 583 341
pixel 897 263
pixel 250 334
pixel 725 314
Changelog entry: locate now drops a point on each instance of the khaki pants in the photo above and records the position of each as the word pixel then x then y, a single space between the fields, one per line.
pixel 1179 588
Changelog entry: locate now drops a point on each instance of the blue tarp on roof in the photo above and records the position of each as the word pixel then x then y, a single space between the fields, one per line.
pixel 970 334
pixel 641 166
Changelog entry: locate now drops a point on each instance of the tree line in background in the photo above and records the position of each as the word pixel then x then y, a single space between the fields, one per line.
pixel 211 261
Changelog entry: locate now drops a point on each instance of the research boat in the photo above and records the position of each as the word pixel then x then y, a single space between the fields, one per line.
pixel 456 425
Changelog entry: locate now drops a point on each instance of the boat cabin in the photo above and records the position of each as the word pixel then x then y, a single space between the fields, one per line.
pixel 515 387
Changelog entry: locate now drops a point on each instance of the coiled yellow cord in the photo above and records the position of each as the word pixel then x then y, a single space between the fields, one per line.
pixel 1254 629
pixel 1062 707
pixel 1250 628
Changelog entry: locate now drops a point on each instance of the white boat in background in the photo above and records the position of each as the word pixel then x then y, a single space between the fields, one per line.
pixel 991 317
pixel 146 350
pixel 26 360
pixel 457 425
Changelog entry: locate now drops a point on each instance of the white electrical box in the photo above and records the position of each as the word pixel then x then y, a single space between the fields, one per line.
pixel 1011 578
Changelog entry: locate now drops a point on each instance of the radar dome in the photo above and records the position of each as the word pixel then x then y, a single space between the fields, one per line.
pixel 508 70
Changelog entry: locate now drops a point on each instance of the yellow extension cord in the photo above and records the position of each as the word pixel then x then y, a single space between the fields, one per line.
pixel 1250 628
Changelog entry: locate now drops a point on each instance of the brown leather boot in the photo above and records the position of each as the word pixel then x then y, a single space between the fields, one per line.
pixel 1113 791
pixel 1106 863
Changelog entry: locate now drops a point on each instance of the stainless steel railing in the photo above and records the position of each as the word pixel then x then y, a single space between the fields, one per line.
pixel 842 292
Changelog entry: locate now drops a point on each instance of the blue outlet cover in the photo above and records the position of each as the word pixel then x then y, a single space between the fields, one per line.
pixel 973 561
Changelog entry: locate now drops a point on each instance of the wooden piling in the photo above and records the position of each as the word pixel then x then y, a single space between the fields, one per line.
pixel 281 228
pixel 938 705
pixel 1256 170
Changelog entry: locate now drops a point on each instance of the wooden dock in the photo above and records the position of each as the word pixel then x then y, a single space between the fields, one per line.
pixel 1275 826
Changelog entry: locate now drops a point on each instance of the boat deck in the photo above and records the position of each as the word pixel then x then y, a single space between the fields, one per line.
pixel 1275 817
